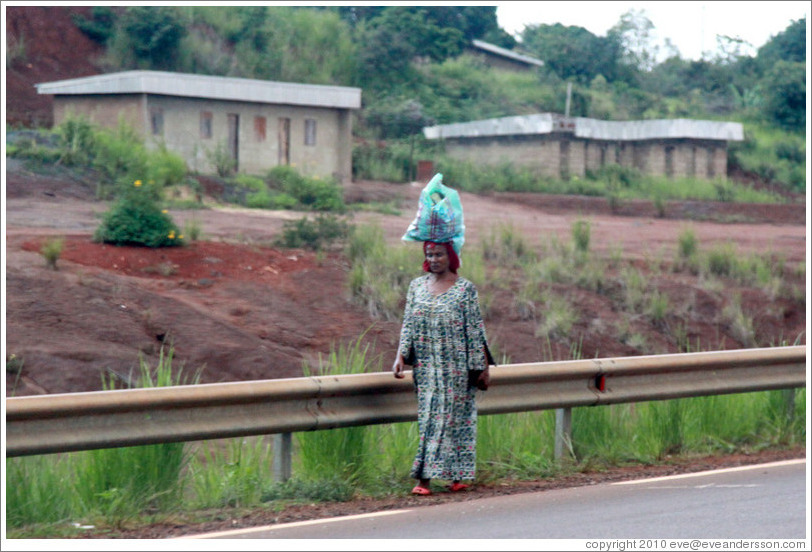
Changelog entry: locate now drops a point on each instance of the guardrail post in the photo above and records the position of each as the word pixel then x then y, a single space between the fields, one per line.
pixel 563 432
pixel 789 403
pixel 282 453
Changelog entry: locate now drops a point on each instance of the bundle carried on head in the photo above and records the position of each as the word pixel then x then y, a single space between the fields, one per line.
pixel 439 216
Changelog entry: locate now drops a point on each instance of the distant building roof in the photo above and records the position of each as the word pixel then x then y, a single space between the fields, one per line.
pixel 210 87
pixel 581 127
pixel 515 56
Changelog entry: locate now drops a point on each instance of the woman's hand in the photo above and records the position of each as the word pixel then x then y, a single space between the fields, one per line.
pixel 397 367
pixel 485 377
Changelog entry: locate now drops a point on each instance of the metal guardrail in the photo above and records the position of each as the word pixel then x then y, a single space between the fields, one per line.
pixel 107 419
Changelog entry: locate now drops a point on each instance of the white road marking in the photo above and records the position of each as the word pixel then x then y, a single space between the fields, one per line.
pixel 712 485
pixel 249 530
pixel 712 472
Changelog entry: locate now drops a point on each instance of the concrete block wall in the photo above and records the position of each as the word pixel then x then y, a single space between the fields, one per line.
pixel 559 156
pixel 330 156
pixel 104 111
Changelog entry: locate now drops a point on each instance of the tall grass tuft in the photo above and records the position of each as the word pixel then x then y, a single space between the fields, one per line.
pixel 581 233
pixel 109 485
pixel 380 275
pixel 506 246
pixel 235 475
pixel 51 250
pixel 687 250
pixel 338 452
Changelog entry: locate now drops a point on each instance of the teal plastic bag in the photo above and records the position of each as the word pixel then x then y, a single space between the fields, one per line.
pixel 439 216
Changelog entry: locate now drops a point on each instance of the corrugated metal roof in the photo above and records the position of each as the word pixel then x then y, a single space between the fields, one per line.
pixel 545 123
pixel 494 49
pixel 210 87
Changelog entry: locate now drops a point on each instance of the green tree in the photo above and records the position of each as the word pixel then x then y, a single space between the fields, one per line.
pixel 788 45
pixel 149 37
pixel 99 26
pixel 635 32
pixel 785 95
pixel 387 46
pixel 397 119
pixel 573 52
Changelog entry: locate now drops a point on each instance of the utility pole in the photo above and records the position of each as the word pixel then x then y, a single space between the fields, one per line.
pixel 569 96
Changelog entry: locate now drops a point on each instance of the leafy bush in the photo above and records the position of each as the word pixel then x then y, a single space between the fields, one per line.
pixel 38 146
pixel 137 219
pixel 687 244
pixel 253 192
pixel 165 168
pixel 221 160
pixel 52 250
pixel 315 234
pixel 791 151
pixel 391 162
pixel 312 194
pixel 625 177
pixel 76 140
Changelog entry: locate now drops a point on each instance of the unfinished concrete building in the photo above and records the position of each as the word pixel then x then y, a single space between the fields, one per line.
pixel 259 124
pixel 561 147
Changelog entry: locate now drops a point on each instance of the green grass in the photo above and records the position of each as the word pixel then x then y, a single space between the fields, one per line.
pixel 773 155
pixel 134 486
pixel 112 485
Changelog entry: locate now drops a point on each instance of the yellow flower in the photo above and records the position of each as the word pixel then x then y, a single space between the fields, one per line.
pixel 137 183
pixel 172 235
pixel 180 237
pixel 164 211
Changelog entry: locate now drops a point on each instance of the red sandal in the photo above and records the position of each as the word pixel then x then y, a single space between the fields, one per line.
pixel 457 486
pixel 422 491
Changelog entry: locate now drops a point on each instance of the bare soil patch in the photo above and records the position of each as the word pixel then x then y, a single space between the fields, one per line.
pixel 237 308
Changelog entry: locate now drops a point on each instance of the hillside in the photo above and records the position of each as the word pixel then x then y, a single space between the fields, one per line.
pixel 244 313
pixel 239 309
pixel 44 45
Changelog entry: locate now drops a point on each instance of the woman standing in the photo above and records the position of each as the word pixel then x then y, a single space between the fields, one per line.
pixel 443 336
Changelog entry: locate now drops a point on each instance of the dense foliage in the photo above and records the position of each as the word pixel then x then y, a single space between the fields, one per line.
pixel 415 70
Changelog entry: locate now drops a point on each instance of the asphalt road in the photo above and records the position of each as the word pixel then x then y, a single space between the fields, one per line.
pixel 766 501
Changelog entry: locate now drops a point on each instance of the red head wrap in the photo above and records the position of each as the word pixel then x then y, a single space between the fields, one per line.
pixel 453 259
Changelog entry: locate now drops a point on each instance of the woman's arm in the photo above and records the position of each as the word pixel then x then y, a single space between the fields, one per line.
pixel 406 340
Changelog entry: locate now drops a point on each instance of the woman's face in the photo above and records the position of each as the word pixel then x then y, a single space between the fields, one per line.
pixel 437 257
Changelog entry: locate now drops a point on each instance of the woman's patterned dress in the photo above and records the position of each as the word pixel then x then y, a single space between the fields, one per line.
pixel 448 337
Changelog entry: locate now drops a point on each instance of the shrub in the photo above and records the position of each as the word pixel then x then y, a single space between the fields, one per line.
pixel 221 159
pixel 120 157
pixel 52 250
pixel 391 163
pixel 76 140
pixel 791 151
pixel 165 168
pixel 35 145
pixel 687 246
pixel 312 194
pixel 624 177
pixel 314 234
pixel 581 235
pixel 137 219
pixel 723 260
pixel 191 228
pixel 559 315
